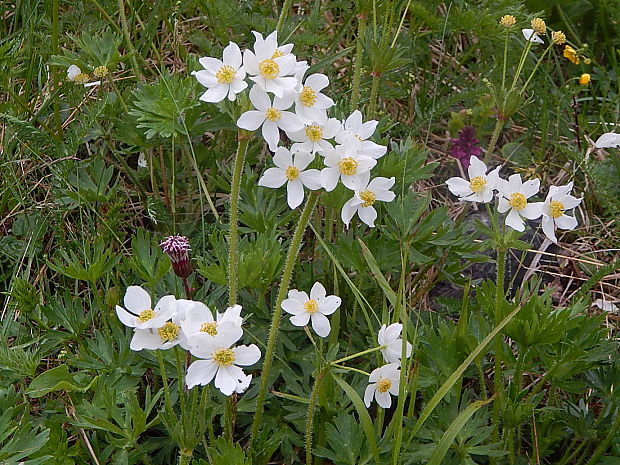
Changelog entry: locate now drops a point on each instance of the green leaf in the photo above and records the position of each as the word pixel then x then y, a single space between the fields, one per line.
pixel 376 273
pixel 59 379
pixel 365 419
pixel 448 437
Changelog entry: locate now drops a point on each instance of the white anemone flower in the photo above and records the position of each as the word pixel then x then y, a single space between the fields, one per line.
pixel 365 197
pixel 608 140
pixel 390 337
pixel 312 309
pixel 75 74
pixel 345 163
pixel 480 186
pixel 270 67
pixel 315 136
pixel 530 35
pixel 513 196
pixel 382 382
pixel 310 103
pixel 291 169
pixel 220 360
pixel 553 211
pixel 198 318
pixel 139 313
pixel 222 78
pixel 271 116
pixel 353 126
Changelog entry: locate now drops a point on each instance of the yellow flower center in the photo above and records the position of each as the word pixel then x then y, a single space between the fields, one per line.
pixel 209 328
pixel 369 198
pixel 224 357
pixel 169 331
pixel 291 173
pixel 571 54
pixel 101 71
pixel 348 166
pixel 225 75
pixel 508 21
pixel 312 306
pixel 81 78
pixel 269 69
pixel 477 184
pixel 307 96
pixel 556 209
pixel 558 37
pixel 277 54
pixel 539 26
pixel 384 385
pixel 518 201
pixel 314 133
pixel 146 315
pixel 272 114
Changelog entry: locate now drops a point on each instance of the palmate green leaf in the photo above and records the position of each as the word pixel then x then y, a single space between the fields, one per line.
pixel 448 437
pixel 364 416
pixel 59 379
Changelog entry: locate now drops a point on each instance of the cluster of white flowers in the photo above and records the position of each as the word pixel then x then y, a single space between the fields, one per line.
pixel 298 107
pixel 385 380
pixel 514 195
pixel 191 325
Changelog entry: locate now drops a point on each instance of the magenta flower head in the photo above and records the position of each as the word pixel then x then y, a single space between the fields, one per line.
pixel 178 248
pixel 465 146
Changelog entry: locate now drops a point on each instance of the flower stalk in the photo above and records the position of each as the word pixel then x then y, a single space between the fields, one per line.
pixel 357 66
pixel 287 274
pixel 497 381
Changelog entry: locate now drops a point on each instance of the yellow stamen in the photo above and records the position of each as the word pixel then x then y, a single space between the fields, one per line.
pixel 384 385
pixel 477 184
pixel 556 209
pixel 225 75
pixel 269 69
pixel 101 71
pixel 291 173
pixel 312 306
pixel 508 21
pixel 81 78
pixel 539 26
pixel 558 37
pixel 518 201
pixel 146 315
pixel 348 166
pixel 307 96
pixel 369 198
pixel 209 328
pixel 272 114
pixel 314 133
pixel 224 357
pixel 277 54
pixel 169 331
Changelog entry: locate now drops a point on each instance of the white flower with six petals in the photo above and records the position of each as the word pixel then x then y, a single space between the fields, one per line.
pixel 513 195
pixel 314 136
pixel 480 186
pixel 365 197
pixel 553 210
pixel 222 78
pixel 314 308
pixel 344 162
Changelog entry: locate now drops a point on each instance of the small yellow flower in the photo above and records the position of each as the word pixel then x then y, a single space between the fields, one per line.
pixel 558 37
pixel 584 79
pixel 539 26
pixel 101 71
pixel 571 54
pixel 508 21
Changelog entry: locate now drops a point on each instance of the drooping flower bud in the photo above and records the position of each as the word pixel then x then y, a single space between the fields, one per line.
pixel 178 248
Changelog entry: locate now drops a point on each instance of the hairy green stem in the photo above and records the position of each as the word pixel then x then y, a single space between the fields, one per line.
pixel 55 32
pixel 499 342
pixel 283 14
pixel 310 416
pixel 602 447
pixel 233 235
pixel 505 60
pixel 357 64
pixel 374 95
pixel 499 124
pixel 526 49
pixel 358 354
pixel 164 380
pixel 185 456
pixel 535 68
pixel 132 51
pixel 291 258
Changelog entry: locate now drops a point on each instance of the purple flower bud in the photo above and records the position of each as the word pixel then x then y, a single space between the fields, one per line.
pixel 178 248
pixel 465 146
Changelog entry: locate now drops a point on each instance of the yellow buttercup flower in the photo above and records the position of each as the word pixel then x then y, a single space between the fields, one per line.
pixel 539 26
pixel 558 37
pixel 584 79
pixel 508 21
pixel 571 54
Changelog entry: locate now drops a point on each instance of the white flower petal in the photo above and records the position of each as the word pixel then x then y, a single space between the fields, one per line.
pixel 301 319
pixel 294 193
pixel 514 220
pixel 251 120
pixel 246 355
pixel 137 299
pixel 320 324
pixel 200 372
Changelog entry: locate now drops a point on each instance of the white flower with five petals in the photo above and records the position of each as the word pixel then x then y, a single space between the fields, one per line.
pixel 312 309
pixel 480 186
pixel 365 197
pixel 553 210
pixel 310 103
pixel 382 382
pixel 291 169
pixel 314 136
pixel 222 78
pixel 389 336
pixel 513 195
pixel 271 116
pixel 345 163
pixel 354 126
pixel 221 361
